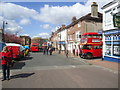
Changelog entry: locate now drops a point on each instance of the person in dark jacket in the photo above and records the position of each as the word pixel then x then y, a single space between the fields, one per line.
pixel 47 50
pixel 51 50
pixel 6 60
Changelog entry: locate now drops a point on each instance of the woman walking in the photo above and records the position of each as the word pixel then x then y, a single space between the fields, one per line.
pixel 6 60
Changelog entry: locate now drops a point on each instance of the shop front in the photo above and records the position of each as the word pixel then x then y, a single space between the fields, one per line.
pixel 112 45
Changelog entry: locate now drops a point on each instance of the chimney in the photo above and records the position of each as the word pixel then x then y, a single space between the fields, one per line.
pixel 94 10
pixel 74 19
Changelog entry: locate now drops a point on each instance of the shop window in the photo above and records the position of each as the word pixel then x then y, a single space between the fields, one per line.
pixel 116 50
pixel 116 37
pixel 108 50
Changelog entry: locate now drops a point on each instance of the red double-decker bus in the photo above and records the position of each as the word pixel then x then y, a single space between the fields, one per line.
pixel 91 45
pixel 34 47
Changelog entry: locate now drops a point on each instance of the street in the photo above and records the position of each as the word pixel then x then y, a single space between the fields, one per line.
pixel 57 71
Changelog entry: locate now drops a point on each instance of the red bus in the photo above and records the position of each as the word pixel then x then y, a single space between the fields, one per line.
pixel 34 47
pixel 91 45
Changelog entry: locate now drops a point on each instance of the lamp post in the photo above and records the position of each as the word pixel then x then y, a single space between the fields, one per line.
pixel 3 37
pixel 60 44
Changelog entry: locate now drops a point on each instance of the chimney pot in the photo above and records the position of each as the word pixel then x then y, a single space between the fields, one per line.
pixel 94 9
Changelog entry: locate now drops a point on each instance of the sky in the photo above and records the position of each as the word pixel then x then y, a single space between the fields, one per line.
pixel 39 19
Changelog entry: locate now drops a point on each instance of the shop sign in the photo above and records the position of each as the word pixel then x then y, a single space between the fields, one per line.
pixel 112 32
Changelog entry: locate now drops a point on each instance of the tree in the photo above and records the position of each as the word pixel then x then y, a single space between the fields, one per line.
pixel 11 38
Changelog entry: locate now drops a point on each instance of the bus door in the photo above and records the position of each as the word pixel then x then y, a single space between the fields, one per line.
pixel 97 50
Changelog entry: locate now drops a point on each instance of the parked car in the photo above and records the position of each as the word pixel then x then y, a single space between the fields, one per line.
pixel 16 49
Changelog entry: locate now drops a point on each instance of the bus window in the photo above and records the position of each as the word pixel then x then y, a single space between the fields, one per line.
pixel 88 47
pixel 100 47
pixel 100 36
pixel 89 36
pixel 97 47
pixel 95 36
pixel 84 36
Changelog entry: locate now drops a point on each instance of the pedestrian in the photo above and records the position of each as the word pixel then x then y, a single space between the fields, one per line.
pixel 50 50
pixel 6 62
pixel 47 50
pixel 44 50
pixel 67 53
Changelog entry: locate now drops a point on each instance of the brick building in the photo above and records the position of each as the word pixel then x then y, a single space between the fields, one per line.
pixel 92 22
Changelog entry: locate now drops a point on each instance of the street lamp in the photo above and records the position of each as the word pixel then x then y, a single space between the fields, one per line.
pixel 60 44
pixel 3 38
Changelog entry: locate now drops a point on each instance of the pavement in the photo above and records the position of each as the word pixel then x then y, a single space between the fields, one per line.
pixel 106 64
pixel 99 62
pixel 57 71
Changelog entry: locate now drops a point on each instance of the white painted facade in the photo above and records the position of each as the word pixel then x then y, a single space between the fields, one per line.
pixel 111 36
pixel 108 16
pixel 62 37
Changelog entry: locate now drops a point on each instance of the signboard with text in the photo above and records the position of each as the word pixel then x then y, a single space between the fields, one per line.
pixel 116 20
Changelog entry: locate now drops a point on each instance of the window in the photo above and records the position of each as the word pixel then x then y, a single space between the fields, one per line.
pixel 88 47
pixel 84 36
pixel 79 36
pixel 108 18
pixel 100 47
pixel 95 36
pixel 89 36
pixel 96 47
pixel 108 50
pixel 100 36
pixel 116 50
pixel 79 25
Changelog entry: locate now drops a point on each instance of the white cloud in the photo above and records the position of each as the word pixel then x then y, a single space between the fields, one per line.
pixel 46 26
pixel 11 26
pixel 48 14
pixel 64 14
pixel 25 22
pixel 25 35
pixel 55 29
pixel 35 37
pixel 60 15
pixel 13 11
pixel 44 35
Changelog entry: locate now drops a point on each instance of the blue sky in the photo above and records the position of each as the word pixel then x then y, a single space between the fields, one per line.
pixel 35 25
pixel 41 18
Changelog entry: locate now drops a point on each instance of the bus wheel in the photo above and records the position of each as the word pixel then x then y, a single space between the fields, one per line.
pixel 89 56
